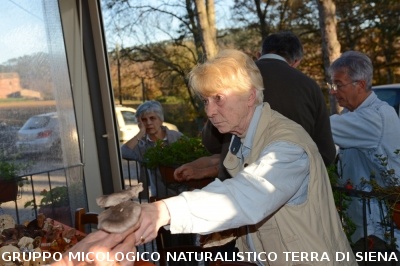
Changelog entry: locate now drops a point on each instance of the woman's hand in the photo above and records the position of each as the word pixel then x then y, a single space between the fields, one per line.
pixel 185 172
pixel 135 140
pixel 153 216
pixel 102 242
pixel 142 129
pixel 200 168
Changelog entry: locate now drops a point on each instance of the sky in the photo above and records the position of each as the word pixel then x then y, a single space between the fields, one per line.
pixel 22 28
pixel 156 28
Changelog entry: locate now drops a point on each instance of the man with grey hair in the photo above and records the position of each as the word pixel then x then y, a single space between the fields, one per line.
pixel 366 131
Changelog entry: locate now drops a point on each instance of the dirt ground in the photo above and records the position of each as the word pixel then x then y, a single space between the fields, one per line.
pixel 15 113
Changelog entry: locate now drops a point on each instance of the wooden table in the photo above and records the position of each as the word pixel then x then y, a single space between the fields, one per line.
pixel 80 235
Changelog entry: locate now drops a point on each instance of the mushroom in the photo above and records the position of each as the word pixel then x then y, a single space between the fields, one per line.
pixel 118 197
pixel 25 242
pixel 5 258
pixel 37 242
pixel 68 233
pixel 41 218
pixel 10 236
pixel 38 261
pixel 6 222
pixel 119 218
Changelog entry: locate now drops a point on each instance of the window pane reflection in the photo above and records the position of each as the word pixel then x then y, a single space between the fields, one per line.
pixel 37 117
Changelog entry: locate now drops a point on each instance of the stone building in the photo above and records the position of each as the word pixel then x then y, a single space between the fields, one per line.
pixel 10 87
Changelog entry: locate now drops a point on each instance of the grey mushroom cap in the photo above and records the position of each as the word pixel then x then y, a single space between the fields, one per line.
pixel 118 197
pixel 119 218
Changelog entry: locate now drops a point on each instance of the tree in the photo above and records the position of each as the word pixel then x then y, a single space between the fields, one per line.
pixel 193 40
pixel 206 23
pixel 170 36
pixel 330 43
pixel 274 15
pixel 255 15
pixel 372 27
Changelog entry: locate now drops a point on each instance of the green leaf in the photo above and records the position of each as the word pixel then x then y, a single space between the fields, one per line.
pixel 184 150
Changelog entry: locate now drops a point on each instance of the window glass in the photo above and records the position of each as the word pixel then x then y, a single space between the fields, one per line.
pixel 391 96
pixel 34 80
pixel 387 95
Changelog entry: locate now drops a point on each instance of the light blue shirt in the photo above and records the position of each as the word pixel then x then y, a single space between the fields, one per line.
pixel 279 176
pixel 370 130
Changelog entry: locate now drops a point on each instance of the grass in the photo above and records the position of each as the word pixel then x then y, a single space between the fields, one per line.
pixel 16 111
pixel 24 103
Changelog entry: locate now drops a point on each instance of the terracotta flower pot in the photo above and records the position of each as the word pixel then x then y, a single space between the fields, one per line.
pixel 9 190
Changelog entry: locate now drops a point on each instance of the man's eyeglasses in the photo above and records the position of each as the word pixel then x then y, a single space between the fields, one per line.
pixel 336 87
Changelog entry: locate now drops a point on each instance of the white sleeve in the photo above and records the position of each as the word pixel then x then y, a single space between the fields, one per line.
pixel 253 194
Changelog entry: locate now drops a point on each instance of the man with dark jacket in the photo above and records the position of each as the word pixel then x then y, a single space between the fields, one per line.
pixel 294 94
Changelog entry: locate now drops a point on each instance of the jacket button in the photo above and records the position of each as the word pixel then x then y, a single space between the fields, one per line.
pixel 246 164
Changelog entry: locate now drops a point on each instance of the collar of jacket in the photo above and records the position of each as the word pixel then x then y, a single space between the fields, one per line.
pixel 272 56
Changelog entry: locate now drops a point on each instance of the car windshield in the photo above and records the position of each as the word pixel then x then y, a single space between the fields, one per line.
pixel 129 118
pixel 36 122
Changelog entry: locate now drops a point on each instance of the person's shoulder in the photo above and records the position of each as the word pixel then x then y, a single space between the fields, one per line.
pixel 271 63
pixel 305 78
pixel 275 65
pixel 373 104
pixel 308 82
pixel 384 108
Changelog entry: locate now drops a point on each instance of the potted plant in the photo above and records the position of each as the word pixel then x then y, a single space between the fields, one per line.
pixel 342 200
pixel 169 157
pixel 184 150
pixel 383 186
pixel 54 204
pixel 389 191
pixel 9 179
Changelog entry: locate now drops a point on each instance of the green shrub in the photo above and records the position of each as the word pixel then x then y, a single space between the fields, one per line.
pixel 57 197
pixel 182 151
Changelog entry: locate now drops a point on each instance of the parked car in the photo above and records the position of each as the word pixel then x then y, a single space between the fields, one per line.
pixel 40 134
pixel 389 93
pixel 128 125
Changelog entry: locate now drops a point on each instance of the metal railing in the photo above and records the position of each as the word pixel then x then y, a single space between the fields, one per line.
pixel 131 177
pixel 365 197
pixel 133 173
pixel 33 184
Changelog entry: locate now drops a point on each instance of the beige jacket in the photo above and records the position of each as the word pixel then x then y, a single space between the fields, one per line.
pixel 313 227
